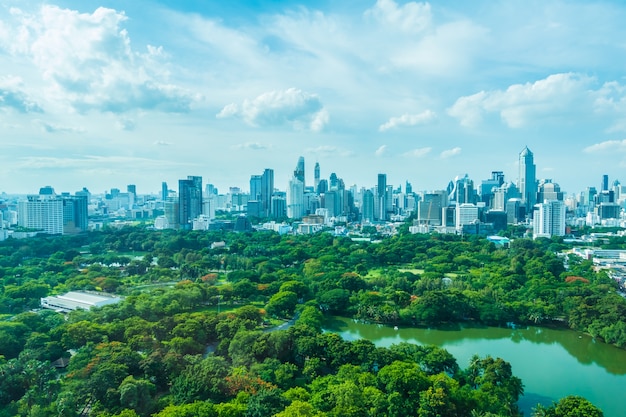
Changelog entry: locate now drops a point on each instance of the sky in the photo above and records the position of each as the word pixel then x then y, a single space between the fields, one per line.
pixel 101 94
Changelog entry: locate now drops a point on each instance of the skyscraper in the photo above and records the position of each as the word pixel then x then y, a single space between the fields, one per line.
pixel 605 183
pixel 295 198
pixel 256 182
pixel 299 173
pixel 380 203
pixel 316 177
pixel 164 191
pixel 295 192
pixel 189 200
pixel 267 190
pixel 527 178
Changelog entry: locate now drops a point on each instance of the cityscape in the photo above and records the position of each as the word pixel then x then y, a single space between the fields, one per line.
pixel 464 206
pixel 312 208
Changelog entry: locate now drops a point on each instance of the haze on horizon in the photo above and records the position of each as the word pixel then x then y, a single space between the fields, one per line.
pixel 104 96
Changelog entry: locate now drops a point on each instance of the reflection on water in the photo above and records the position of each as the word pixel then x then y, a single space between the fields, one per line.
pixel 552 363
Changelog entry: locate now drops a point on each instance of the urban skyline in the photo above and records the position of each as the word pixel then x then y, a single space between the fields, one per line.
pixel 134 91
pixel 303 171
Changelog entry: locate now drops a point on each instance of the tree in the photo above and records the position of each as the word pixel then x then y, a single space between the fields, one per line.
pixel 282 304
pixel 202 379
pixel 137 394
pixel 575 406
pixel 266 402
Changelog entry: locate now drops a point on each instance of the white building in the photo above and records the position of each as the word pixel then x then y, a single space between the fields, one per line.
pixel 466 213
pixel 295 199
pixel 549 219
pixel 75 300
pixel 41 212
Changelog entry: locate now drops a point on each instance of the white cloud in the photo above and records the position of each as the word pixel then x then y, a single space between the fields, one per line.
pixel 88 62
pixel 450 153
pixel 410 17
pixel 607 146
pixel 418 152
pixel 294 107
pixel 558 95
pixel 381 151
pixel 162 143
pixel 12 96
pixel 424 117
pixel 329 151
pixel 255 146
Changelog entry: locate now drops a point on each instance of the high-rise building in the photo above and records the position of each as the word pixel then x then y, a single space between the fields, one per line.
pixel 256 184
pixel 171 208
pixel 527 178
pixel 605 183
pixel 316 177
pixel 75 219
pixel 380 204
pixel 295 199
pixel 42 212
pixel 461 190
pixel 164 191
pixel 549 190
pixel 267 191
pixel 488 187
pixel 367 207
pixel 466 213
pixel 299 172
pixel 549 219
pixel 430 207
pixel 189 201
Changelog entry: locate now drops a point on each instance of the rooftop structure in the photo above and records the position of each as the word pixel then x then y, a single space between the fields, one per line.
pixel 75 300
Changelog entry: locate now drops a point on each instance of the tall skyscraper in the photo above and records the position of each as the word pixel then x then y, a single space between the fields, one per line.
pixel 256 182
pixel 380 204
pixel 605 183
pixel 295 199
pixel 527 178
pixel 164 191
pixel 316 177
pixel 367 207
pixel 299 172
pixel 189 201
pixel 267 190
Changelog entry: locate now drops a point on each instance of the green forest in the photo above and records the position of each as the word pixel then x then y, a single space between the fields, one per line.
pixel 196 335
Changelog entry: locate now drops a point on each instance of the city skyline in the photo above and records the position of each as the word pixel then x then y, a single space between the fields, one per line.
pixel 154 91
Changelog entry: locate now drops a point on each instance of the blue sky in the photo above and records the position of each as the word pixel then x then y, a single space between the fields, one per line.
pixel 103 94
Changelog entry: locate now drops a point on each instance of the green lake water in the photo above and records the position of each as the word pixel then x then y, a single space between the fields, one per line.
pixel 551 363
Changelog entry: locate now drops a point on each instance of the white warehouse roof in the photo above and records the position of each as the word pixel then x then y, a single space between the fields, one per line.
pixel 75 300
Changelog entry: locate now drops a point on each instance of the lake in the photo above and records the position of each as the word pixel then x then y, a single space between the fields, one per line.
pixel 551 363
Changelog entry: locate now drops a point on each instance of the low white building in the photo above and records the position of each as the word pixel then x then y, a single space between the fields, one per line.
pixel 75 300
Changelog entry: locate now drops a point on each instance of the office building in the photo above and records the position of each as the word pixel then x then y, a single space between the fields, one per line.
pixel 549 219
pixel 316 177
pixel 42 212
pixel 527 178
pixel 295 198
pixel 189 201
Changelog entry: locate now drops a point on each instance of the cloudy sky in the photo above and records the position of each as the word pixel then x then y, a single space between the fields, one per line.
pixel 104 94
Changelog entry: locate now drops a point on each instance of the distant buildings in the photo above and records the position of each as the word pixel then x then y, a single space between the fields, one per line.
pixel 462 207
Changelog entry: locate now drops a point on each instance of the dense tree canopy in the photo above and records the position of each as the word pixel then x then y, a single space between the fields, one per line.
pixel 191 336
